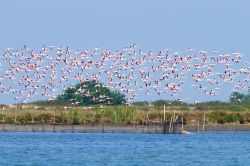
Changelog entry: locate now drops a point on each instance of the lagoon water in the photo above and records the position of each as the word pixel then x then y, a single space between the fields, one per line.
pixel 24 148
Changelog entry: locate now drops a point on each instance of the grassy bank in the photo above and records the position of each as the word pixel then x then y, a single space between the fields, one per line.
pixel 118 115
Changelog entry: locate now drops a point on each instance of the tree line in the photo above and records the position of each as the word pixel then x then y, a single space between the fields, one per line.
pixel 93 92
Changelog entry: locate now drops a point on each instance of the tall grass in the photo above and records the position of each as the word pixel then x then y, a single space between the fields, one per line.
pixel 125 115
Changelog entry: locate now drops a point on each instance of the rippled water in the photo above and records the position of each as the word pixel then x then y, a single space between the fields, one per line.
pixel 124 149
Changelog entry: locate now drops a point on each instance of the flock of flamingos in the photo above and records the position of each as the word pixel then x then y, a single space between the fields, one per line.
pixel 25 73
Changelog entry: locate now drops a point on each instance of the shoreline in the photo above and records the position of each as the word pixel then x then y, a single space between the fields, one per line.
pixel 59 128
pixel 137 129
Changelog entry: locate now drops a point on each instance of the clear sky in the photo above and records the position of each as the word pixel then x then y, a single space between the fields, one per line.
pixel 223 25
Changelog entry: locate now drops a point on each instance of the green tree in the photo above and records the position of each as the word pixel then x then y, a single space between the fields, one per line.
pixel 239 97
pixel 91 93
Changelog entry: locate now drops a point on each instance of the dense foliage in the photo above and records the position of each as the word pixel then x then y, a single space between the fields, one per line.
pixel 91 93
pixel 239 97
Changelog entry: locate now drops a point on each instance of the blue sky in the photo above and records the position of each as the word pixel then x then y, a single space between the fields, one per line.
pixel 221 25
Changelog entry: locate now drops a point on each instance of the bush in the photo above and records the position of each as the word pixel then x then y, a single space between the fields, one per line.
pixel 91 93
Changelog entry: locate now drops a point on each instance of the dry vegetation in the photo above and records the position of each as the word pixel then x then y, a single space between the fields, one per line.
pixel 140 115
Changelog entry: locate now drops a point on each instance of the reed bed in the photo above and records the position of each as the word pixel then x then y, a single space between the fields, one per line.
pixel 125 115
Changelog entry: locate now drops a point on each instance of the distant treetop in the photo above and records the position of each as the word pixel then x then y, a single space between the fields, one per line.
pixel 91 93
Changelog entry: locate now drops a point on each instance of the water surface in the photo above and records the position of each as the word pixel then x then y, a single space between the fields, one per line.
pixel 24 148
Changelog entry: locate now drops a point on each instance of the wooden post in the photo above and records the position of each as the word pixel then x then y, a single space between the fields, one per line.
pixel 3 117
pixel 54 116
pixel 84 118
pixel 169 130
pixel 133 117
pixel 103 120
pixel 198 125
pixel 164 113
pixel 115 117
pixel 32 118
pixel 63 117
pixel 15 116
pixel 204 122
pixel 173 123
pixel 234 123
pixel 182 125
pixel 147 118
